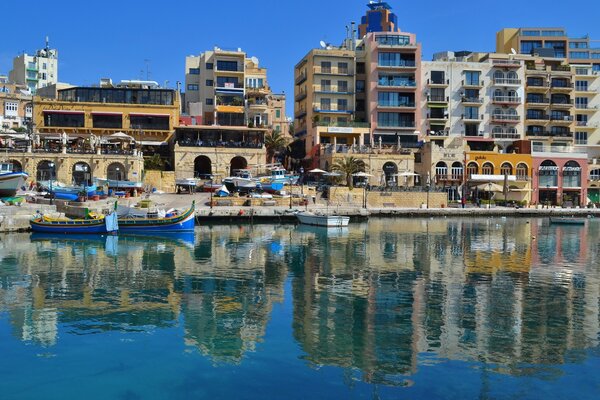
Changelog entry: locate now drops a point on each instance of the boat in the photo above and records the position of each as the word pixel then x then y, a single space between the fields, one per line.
pixel 309 218
pixel 241 181
pixel 98 225
pixel 10 181
pixel 211 187
pixel 119 185
pixel 567 220
pixel 72 192
pixel 139 221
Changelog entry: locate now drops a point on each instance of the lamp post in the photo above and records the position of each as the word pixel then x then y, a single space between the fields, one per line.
pixel 211 192
pixel 118 176
pixel 428 186
pixel 489 205
pixel 547 196
pixel 51 165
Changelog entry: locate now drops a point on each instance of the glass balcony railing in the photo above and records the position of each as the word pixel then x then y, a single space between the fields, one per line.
pixel 397 83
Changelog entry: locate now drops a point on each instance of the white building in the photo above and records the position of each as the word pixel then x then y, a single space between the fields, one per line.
pixel 35 71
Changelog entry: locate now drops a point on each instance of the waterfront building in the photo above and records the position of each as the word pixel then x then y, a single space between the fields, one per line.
pixel 231 108
pixel 98 132
pixel 37 70
pixel 15 106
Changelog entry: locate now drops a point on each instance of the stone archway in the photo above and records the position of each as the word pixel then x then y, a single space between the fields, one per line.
pixel 46 171
pixel 202 167
pixel 82 174
pixel 16 166
pixel 116 172
pixel 390 170
pixel 236 163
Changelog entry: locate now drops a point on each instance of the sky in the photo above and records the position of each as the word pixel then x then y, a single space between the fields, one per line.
pixel 133 39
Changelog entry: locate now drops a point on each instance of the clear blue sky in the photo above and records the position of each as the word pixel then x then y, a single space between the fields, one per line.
pixel 112 38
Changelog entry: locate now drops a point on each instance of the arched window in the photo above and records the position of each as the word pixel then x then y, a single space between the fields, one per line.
pixel 497 129
pixel 46 171
pixel 522 171
pixel 506 169
pixel 82 174
pixel 441 170
pixel 457 170
pixel 512 75
pixel 472 169
pixel 511 111
pixel 512 130
pixel 595 175
pixel 498 75
pixel 487 169
pixel 16 166
pixel 512 94
pixel 497 111
pixel 116 172
pixel 572 174
pixel 548 174
pixel 497 93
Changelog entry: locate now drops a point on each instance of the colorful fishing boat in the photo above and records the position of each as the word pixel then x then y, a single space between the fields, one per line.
pixel 10 181
pixel 99 225
pixel 151 222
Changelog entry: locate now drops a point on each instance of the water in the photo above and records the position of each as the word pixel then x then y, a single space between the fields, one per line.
pixel 412 308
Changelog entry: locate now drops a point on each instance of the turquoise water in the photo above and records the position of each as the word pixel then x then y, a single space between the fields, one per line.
pixel 393 308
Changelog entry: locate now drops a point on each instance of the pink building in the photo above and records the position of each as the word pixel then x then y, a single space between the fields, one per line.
pixel 559 178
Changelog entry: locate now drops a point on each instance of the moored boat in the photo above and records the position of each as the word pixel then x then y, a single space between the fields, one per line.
pixel 567 220
pixel 309 218
pixel 10 181
pixel 153 222
pixel 99 225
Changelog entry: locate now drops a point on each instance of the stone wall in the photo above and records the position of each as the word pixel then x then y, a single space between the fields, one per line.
pixel 341 195
pixel 161 180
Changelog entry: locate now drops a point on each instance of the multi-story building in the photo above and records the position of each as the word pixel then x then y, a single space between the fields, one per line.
pixel 98 132
pixel 35 71
pixel 229 94
pixel 15 106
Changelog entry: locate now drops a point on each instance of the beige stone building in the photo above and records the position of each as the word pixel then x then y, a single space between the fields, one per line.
pixel 15 105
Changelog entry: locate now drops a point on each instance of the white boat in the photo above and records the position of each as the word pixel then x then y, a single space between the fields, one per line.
pixel 10 181
pixel 309 218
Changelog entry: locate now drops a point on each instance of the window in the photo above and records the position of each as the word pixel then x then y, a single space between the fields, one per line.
pixel 437 77
pixel 277 113
pixel 150 122
pixel 192 87
pixel 326 67
pixel 581 102
pixel 472 78
pixel 325 104
pixel 360 86
pixel 209 82
pixel 44 66
pixel 579 54
pixel 194 71
pixel 325 85
pixel 472 169
pixel 522 171
pixel 581 86
pixel 571 174
pixel 395 99
pixel 360 67
pixel 225 65
pixel 209 102
pixel 578 45
pixel 393 40
pixel 64 120
pixel 487 169
pixel 11 109
pixel 209 66
pixel 342 68
pixel 471 129
pixel 441 169
pixel 342 104
pixel 360 105
pixel 506 169
pixel 498 75
pixel 527 46
pixel 471 113
pixel 396 60
pixel 395 119
pixel 228 82
pixel 342 86
pixel 107 121
pixel 581 137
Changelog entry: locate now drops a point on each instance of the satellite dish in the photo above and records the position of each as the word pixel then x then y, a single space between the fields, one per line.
pixel 513 51
pixel 254 60
pixel 323 44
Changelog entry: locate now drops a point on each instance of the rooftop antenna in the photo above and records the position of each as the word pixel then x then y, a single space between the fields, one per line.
pixel 323 44
pixel 254 60
pixel 147 61
pixel 47 43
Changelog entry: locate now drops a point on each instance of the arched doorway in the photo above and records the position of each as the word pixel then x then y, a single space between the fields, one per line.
pixel 441 171
pixel 548 182
pixel 237 163
pixel 46 171
pixel 16 166
pixel 472 169
pixel 571 184
pixel 82 174
pixel 202 167
pixel 390 170
pixel 116 172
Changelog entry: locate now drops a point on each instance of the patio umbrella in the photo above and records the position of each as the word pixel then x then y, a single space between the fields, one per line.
pixel 490 187
pixel 406 173
pixel 317 171
pixel 332 174
pixel 361 174
pixel 120 136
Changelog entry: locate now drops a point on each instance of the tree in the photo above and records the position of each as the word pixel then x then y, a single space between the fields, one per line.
pixel 274 142
pixel 348 166
pixel 155 163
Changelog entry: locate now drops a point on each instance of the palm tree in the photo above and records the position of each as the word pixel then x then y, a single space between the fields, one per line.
pixel 348 166
pixel 274 142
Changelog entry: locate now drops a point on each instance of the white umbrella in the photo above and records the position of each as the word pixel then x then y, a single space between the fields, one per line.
pixel 121 136
pixel 361 174
pixel 317 171
pixel 332 174
pixel 406 173
pixel 490 187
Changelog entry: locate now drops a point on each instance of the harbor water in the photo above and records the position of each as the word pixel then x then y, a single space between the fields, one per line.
pixel 419 308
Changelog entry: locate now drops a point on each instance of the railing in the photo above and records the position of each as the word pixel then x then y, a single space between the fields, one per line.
pixel 396 104
pixel 333 70
pixel 401 125
pixel 561 118
pixel 301 78
pixel 549 134
pixel 438 99
pixel 330 107
pixel 396 83
pixel 440 82
pixel 507 99
pixel 333 88
pixel 537 84
pixel 214 143
pixel 472 83
pixel 471 117
pixel 505 117
pixel 538 117
pixel 349 124
pixel 441 116
pixel 532 100
pixel 561 85
pixel 229 85
pixel 506 135
pixel 404 148
pixel 448 177
pixel 506 81
pixel 471 100
pixel 396 41
pixel 300 96
pixel 580 106
pixel 401 64
pixel 587 124
pixel 553 149
pixel 506 63
pixel 561 102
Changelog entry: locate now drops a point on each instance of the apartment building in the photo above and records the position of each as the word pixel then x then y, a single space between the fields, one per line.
pixel 15 105
pixel 37 70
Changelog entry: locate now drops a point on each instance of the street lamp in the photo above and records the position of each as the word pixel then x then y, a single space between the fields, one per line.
pixel 489 205
pixel 547 196
pixel 211 192
pixel 51 165
pixel 428 185
pixel 118 174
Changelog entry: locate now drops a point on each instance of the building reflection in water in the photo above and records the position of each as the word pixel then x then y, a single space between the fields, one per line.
pixel 375 299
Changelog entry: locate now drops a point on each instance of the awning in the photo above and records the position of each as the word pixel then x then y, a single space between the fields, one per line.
pixel 106 113
pixel 151 143
pixel 63 112
pixel 149 115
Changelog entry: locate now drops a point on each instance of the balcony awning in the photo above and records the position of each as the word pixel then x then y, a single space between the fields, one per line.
pixel 149 115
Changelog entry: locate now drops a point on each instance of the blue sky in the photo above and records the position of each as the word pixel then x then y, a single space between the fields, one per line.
pixel 113 39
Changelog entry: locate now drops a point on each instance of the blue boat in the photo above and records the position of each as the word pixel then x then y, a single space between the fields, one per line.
pixel 100 225
pixel 184 222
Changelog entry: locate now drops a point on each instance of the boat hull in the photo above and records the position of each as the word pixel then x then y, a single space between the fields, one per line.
pixel 11 182
pixel 180 223
pixel 567 221
pixel 323 220
pixel 75 226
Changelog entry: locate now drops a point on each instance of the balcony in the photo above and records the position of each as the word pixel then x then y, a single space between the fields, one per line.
pixel 402 125
pixel 506 118
pixel 507 82
pixel 403 64
pixel 396 83
pixel 332 108
pixel 506 100
pixel 396 105
pixel 538 101
pixel 506 135
pixel 582 88
pixel 586 124
pixel 561 103
pixel 229 87
pixel 471 101
pixel 394 41
pixel 438 99
pixel 540 134
pixel 537 86
pixel 438 83
pixel 471 117
pixel 301 78
pixel 561 119
pixel 437 118
pixel 333 89
pixel 537 118
pixel 472 84
pixel 561 87
pixel 506 63
pixel 300 96
pixel 448 177
pixel 586 108
pixel 299 114
pixel 333 71
pixel 404 148
pixel 348 124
